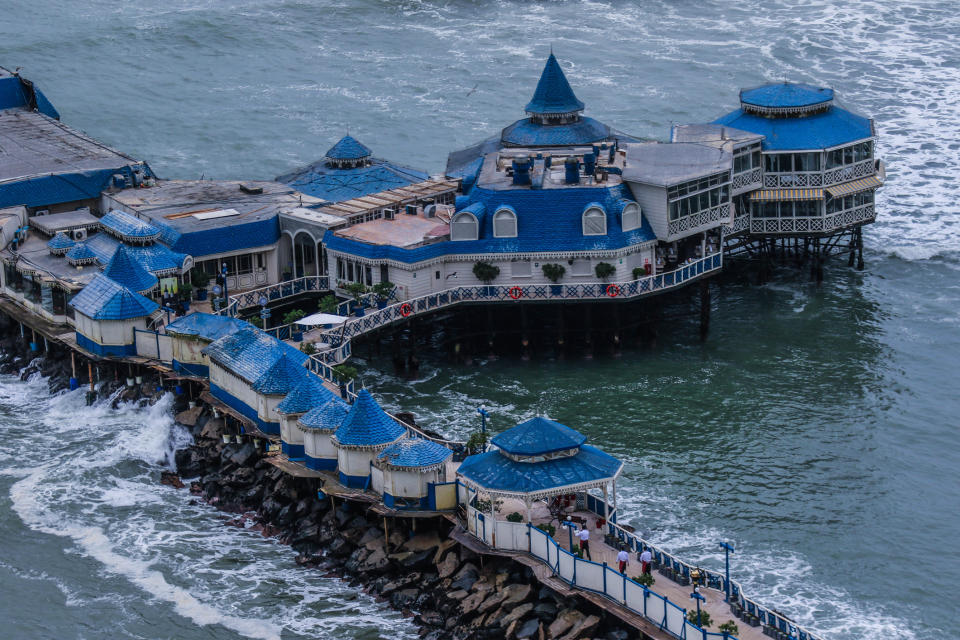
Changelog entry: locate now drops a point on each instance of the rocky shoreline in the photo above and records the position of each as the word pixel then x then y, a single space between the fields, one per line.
pixel 447 589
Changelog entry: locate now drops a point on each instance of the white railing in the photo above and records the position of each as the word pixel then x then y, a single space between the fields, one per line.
pixel 699 219
pixel 814 224
pixel 273 292
pixel 803 179
pixel 740 223
pixel 586 574
pixel 747 181
pixel 339 338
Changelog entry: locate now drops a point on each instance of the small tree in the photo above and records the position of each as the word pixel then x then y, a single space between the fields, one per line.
pixel 645 579
pixel 292 316
pixel 729 627
pixel 383 290
pixel 256 321
pixel 477 442
pixel 704 620
pixel 308 348
pixel 639 272
pixel 185 290
pixel 344 373
pixel 604 270
pixel 553 272
pixel 514 517
pixel 329 304
pixel 356 289
pixel 485 272
pixel 199 279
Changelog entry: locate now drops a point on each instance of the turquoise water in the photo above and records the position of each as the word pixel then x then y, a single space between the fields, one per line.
pixel 815 429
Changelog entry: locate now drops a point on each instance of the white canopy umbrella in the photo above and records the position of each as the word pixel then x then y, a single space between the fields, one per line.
pixel 322 318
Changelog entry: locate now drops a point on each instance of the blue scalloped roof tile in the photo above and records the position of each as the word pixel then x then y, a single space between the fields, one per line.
pixel 526 133
pixel 538 436
pixel 123 268
pixel 348 148
pixel 80 251
pixel 155 258
pixel 282 377
pixel 327 417
pixel 104 299
pixel 309 393
pixel 60 242
pixel 786 94
pixel 553 93
pixel 495 471
pixel 338 184
pixel 823 130
pixel 250 353
pixel 206 326
pixel 125 225
pixel 367 424
pixel 415 452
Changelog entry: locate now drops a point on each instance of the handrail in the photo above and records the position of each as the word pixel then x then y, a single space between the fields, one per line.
pixel 272 292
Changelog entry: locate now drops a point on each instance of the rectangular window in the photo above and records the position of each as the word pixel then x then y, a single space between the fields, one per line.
pixel 521 269
pixel 245 263
pixel 368 275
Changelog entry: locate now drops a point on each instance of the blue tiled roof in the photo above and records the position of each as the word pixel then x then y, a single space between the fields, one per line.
pixel 123 268
pixel 80 252
pixel 348 149
pixel 786 94
pixel 205 242
pixel 155 258
pixel 415 452
pixel 250 353
pixel 206 326
pixel 538 436
pixel 128 227
pixel 309 393
pixel 526 133
pixel 104 299
pixel 367 424
pixel 337 184
pixel 553 93
pixel 60 243
pixel 327 417
pixel 496 472
pixel 829 128
pixel 283 377
pixel 547 220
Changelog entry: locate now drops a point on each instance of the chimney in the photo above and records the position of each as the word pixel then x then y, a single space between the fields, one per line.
pixel 572 166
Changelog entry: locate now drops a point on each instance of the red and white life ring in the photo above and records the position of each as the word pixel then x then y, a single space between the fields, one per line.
pixel 613 290
pixel 406 309
pixel 515 292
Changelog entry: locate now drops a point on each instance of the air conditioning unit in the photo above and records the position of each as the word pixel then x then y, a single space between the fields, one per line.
pixel 389 214
pixel 42 212
pixel 430 211
pixel 79 235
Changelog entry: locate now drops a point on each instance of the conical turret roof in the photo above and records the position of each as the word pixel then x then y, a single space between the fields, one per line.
pixel 367 425
pixel 348 149
pixel 553 95
pixel 124 269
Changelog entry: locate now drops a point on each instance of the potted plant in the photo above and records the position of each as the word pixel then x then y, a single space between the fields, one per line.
pixel 604 270
pixel 329 304
pixel 548 529
pixel 186 292
pixel 256 321
pixel 703 621
pixel 477 442
pixel 199 280
pixel 554 272
pixel 645 579
pixel 729 627
pixel 639 272
pixel 291 317
pixel 486 273
pixel 514 517
pixel 383 291
pixel 308 348
pixel 344 373
pixel 356 290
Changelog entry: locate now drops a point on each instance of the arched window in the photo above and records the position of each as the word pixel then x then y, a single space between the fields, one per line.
pixel 463 227
pixel 630 217
pixel 505 224
pixel 594 221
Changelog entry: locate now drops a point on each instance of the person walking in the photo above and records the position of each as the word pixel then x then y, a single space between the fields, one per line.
pixel 623 559
pixel 645 559
pixel 584 535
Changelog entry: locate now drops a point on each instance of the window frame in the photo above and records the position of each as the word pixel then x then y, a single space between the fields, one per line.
pixel 502 213
pixel 591 213
pixel 476 226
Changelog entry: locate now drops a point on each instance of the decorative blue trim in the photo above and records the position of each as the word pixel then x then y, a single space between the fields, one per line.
pixel 292 451
pixel 246 410
pixel 353 482
pixel 118 350
pixel 321 464
pixel 190 369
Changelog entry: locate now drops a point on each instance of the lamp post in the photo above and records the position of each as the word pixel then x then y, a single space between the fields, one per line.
pixel 216 297
pixel 264 311
pixel 727 550
pixel 226 296
pixel 696 596
pixel 483 418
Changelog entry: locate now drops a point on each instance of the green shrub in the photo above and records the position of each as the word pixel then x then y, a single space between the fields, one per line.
pixel 308 348
pixel 344 373
pixel 292 316
pixel 704 620
pixel 554 272
pixel 477 442
pixel 329 304
pixel 256 321
pixel 356 289
pixel 549 529
pixel 639 272
pixel 730 627
pixel 383 290
pixel 604 270
pixel 514 517
pixel 485 272
pixel 199 279
pixel 645 579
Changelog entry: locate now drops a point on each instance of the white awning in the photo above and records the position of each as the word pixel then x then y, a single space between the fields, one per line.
pixel 322 318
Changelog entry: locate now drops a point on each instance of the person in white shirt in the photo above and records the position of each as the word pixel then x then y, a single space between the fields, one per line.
pixel 645 559
pixel 584 535
pixel 623 559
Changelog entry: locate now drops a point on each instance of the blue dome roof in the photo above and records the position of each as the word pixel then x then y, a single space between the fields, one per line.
pixel 415 452
pixel 348 149
pixel 128 227
pixel 104 299
pixel 553 94
pixel 60 243
pixel 327 417
pixel 527 133
pixel 367 425
pixel 786 95
pixel 308 394
pixel 820 130
pixel 281 378
pixel 124 269
pixel 538 436
pixel 81 254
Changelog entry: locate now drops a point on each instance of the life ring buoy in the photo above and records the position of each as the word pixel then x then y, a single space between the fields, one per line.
pixel 406 309
pixel 515 292
pixel 613 290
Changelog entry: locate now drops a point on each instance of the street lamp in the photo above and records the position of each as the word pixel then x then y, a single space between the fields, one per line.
pixel 264 311
pixel 483 418
pixel 226 298
pixel 696 596
pixel 727 550
pixel 216 297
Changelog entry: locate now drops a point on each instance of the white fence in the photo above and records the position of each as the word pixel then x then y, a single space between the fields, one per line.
pixel 153 345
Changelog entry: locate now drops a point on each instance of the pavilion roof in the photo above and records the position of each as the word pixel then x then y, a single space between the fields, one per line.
pixel 538 436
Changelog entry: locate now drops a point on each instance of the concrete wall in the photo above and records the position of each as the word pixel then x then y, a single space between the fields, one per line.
pixel 320 452
pixel 109 332
pixel 291 438
pixel 407 484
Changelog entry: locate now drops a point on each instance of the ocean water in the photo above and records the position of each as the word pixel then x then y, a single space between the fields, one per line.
pixel 815 429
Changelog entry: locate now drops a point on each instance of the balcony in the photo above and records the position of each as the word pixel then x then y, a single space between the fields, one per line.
pixel 819 178
pixel 816 224
pixel 747 181
pixel 696 221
